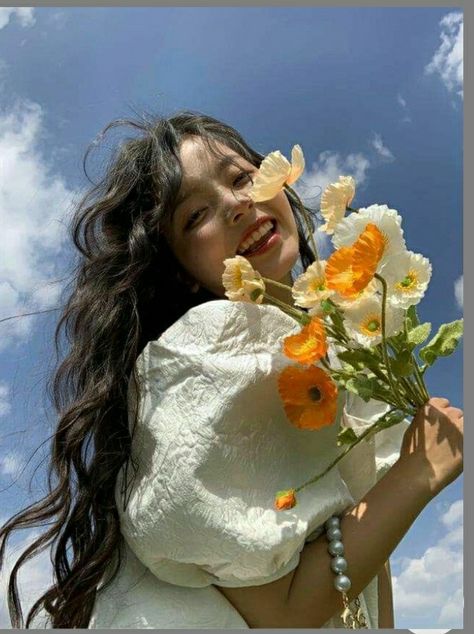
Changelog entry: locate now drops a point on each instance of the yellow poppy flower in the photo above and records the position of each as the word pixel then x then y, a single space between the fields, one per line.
pixel 275 171
pixel 334 202
pixel 241 281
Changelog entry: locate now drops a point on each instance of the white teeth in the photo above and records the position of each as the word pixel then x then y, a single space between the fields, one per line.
pixel 255 236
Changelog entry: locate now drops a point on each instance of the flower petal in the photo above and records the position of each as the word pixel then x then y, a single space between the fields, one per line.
pixel 309 345
pixel 334 202
pixel 297 165
pixel 270 178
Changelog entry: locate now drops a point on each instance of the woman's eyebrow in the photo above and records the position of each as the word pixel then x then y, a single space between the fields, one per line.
pixel 222 164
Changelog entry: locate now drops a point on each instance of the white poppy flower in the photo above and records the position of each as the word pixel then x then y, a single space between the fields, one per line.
pixel 363 321
pixel 275 171
pixel 387 220
pixel 309 289
pixel 407 275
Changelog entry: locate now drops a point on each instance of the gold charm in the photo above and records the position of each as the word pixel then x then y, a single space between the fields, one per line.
pixel 353 617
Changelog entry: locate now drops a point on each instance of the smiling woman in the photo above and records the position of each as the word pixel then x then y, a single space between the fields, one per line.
pixel 171 437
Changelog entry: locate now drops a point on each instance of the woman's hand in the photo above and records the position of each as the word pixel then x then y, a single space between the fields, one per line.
pixel 432 446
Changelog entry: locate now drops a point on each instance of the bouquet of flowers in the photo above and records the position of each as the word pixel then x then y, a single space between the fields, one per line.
pixel 361 301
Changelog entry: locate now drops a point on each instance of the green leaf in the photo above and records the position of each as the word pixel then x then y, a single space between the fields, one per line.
pixel 412 318
pixel 358 358
pixel 363 386
pixel 390 419
pixel 419 334
pixel 255 294
pixel 346 436
pixel 444 342
pixel 402 364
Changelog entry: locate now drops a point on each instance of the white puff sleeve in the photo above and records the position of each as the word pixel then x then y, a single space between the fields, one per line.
pixel 363 467
pixel 213 445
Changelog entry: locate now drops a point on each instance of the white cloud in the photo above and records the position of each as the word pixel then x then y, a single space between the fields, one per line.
pixel 34 203
pixel 401 101
pixel 433 583
pixel 459 291
pixel 380 148
pixel 5 405
pixel 10 464
pixel 453 516
pixel 34 578
pixel 448 59
pixel 23 14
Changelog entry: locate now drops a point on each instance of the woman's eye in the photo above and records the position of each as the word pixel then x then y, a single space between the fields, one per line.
pixel 243 177
pixel 193 217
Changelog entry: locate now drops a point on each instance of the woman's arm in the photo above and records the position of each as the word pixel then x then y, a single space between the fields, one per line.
pixel 386 617
pixel 430 459
pixel 306 597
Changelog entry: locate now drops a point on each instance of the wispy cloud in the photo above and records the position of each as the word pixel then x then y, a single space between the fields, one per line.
pixel 381 149
pixel 403 103
pixel 459 291
pixel 447 61
pixel 5 405
pixel 25 15
pixel 10 464
pixel 427 584
pixel 34 203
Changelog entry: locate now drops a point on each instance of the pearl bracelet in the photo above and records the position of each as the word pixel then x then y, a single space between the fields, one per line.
pixel 353 618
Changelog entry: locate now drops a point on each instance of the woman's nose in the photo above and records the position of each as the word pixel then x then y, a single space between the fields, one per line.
pixel 240 204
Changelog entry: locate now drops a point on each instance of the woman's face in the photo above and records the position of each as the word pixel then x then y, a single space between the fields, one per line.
pixel 215 213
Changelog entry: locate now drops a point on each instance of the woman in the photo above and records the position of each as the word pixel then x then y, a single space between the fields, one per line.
pixel 156 514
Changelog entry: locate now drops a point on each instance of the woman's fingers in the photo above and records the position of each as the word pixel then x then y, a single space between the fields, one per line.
pixel 455 412
pixel 439 401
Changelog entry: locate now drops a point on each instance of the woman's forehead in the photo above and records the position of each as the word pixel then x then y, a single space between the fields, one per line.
pixel 197 159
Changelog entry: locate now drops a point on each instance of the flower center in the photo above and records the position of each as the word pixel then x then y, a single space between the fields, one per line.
pixel 372 325
pixel 408 280
pixel 314 393
pixel 318 286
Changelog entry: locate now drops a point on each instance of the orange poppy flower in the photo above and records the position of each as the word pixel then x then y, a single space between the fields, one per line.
pixel 368 250
pixel 309 345
pixel 309 396
pixel 285 500
pixel 350 269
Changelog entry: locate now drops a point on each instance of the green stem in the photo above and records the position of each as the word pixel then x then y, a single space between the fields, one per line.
pixel 340 456
pixel 307 220
pixel 270 281
pixel 300 316
pixel 421 381
pixel 384 340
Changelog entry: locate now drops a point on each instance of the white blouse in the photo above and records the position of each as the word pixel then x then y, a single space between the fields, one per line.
pixel 212 446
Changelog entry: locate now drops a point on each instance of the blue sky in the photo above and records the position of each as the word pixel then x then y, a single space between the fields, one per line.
pixel 376 93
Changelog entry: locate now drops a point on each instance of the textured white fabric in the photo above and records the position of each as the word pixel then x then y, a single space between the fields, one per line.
pixel 213 445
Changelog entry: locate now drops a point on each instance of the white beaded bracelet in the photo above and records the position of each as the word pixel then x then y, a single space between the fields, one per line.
pixel 353 616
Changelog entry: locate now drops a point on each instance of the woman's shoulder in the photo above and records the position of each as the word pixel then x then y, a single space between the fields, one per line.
pixel 222 324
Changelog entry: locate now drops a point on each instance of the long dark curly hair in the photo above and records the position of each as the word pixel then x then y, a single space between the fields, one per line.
pixel 114 308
